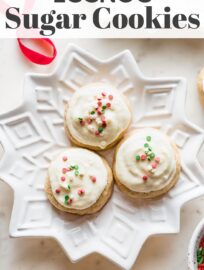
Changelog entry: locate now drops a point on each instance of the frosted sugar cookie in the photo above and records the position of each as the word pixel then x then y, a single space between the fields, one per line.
pixel 97 116
pixel 146 164
pixel 79 181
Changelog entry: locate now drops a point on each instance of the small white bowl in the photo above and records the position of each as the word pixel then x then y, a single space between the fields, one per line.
pixel 194 244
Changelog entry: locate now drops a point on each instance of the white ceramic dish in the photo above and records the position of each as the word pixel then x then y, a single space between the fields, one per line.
pixel 194 244
pixel 32 133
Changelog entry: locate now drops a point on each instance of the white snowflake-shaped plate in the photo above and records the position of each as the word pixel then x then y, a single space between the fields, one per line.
pixel 33 133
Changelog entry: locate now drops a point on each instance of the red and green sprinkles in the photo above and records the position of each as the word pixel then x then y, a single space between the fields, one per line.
pixel 150 156
pixel 200 255
pixel 97 115
pixel 68 198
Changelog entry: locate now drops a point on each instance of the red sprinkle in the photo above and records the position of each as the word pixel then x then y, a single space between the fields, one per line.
pixel 81 192
pixel 103 118
pixel 97 133
pixel 103 94
pixel 108 105
pixel 89 121
pixel 154 165
pixel 62 178
pixel 64 158
pixel 202 243
pixel 82 123
pixel 157 159
pixel 70 201
pixel 110 97
pixel 64 170
pixel 145 178
pixel 143 157
pixel 99 103
pixel 99 111
pixel 93 179
pixel 57 191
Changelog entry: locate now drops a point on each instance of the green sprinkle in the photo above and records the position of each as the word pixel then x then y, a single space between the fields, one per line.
pixel 76 167
pixel 72 167
pixel 149 159
pixel 137 157
pixel 199 259
pixel 199 252
pixel 103 111
pixel 152 155
pixel 150 148
pixel 100 129
pixel 93 112
pixel 76 173
pixel 148 138
pixel 146 145
pixel 66 197
pixel 68 187
pixel 104 107
pixel 80 118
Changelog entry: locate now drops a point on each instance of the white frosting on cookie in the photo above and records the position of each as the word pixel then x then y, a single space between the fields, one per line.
pixel 97 114
pixel 146 161
pixel 77 177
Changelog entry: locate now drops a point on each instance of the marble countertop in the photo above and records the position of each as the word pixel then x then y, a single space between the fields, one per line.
pixel 155 58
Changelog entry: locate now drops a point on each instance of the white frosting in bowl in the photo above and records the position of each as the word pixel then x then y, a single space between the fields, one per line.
pixel 77 177
pixel 146 161
pixel 97 115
